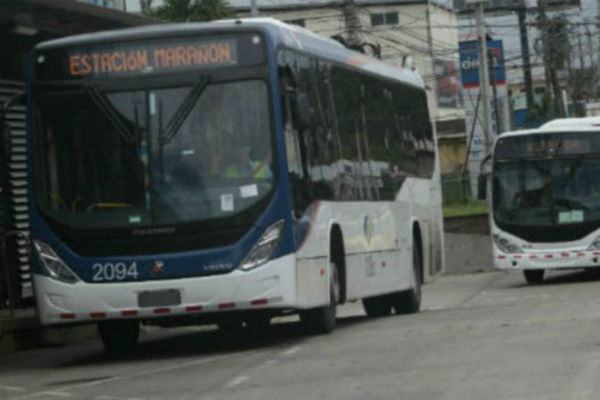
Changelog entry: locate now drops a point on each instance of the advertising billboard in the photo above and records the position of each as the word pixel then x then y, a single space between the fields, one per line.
pixel 469 63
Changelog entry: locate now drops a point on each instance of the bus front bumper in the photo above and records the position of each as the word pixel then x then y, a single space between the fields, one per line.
pixel 547 260
pixel 271 286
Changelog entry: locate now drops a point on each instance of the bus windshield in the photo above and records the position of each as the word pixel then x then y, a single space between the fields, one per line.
pixel 545 192
pixel 153 156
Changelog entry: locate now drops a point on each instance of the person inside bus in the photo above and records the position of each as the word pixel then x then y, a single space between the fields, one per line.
pixel 240 164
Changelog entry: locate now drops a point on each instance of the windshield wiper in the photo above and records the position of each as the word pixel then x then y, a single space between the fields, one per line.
pixel 182 112
pixel 110 113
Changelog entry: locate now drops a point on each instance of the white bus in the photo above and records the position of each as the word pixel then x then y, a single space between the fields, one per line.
pixel 227 173
pixel 545 200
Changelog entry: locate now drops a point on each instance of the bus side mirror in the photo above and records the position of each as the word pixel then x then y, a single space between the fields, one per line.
pixel 302 111
pixel 482 187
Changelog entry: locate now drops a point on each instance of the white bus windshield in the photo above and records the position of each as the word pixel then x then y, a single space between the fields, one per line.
pixel 547 192
pixel 146 157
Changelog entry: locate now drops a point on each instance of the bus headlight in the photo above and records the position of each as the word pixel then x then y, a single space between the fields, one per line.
pixel 262 250
pixel 595 244
pixel 56 267
pixel 505 245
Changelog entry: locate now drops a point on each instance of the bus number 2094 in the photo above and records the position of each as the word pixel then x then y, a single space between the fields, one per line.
pixel 114 271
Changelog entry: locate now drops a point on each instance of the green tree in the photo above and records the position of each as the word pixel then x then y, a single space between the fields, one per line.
pixel 192 10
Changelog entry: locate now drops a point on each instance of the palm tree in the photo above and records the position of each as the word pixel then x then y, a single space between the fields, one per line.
pixel 192 10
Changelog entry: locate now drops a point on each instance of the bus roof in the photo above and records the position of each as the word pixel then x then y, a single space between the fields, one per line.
pixel 283 34
pixel 573 122
pixel 552 129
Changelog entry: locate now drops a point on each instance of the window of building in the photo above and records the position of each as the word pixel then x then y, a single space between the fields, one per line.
pixel 389 18
pixel 300 22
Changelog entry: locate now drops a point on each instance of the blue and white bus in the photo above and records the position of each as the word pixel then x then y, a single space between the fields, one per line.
pixel 226 173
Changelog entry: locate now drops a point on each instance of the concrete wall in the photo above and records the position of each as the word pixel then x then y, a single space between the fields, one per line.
pixel 468 245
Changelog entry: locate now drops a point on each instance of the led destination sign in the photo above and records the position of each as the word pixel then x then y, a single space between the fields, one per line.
pixel 155 58
pixel 124 59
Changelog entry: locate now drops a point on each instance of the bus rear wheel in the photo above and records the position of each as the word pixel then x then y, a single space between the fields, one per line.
pixel 323 319
pixel 120 338
pixel 379 306
pixel 534 276
pixel 409 301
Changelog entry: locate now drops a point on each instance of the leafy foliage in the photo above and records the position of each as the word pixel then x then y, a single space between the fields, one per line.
pixel 192 10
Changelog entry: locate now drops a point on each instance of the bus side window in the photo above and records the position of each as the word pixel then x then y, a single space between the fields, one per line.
pixel 298 173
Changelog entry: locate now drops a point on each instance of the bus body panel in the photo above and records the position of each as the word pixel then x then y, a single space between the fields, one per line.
pixel 572 254
pixel 269 287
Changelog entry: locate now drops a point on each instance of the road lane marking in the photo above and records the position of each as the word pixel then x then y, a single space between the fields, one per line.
pixel 237 381
pixel 12 388
pixel 124 377
pixel 291 351
pixel 108 397
pixel 56 394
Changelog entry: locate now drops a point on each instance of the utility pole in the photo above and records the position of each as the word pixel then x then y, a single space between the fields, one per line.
pixel 581 60
pixel 525 58
pixel 590 46
pixel 484 79
pixel 352 23
pixel 254 8
pixel 550 60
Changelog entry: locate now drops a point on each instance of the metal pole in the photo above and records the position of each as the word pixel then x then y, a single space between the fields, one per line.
pixel 581 61
pixel 352 22
pixel 525 57
pixel 484 81
pixel 254 8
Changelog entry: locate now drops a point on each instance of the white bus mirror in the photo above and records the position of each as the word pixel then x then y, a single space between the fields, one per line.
pixel 482 187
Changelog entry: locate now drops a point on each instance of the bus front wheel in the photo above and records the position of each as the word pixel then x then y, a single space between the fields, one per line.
pixel 120 338
pixel 534 276
pixel 322 319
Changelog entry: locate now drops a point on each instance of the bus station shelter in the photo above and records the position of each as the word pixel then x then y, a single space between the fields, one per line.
pixel 23 24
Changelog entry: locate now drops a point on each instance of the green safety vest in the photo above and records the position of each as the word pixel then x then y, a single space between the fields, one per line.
pixel 260 169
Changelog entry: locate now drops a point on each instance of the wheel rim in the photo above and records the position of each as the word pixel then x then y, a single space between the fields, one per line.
pixel 335 284
pixel 416 270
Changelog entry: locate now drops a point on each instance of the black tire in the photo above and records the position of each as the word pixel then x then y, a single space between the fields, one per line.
pixel 258 325
pixel 322 320
pixel 534 276
pixel 379 306
pixel 120 338
pixel 409 301
pixel 230 326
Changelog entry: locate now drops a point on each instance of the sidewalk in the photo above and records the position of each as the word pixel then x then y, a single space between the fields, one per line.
pixel 22 331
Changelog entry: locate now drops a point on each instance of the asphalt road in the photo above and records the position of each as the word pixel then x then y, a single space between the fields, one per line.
pixel 483 336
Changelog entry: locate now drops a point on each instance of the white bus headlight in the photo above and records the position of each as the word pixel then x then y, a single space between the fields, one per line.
pixel 264 248
pixel 505 245
pixel 595 244
pixel 56 267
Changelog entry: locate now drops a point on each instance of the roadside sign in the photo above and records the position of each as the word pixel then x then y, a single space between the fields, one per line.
pixel 469 63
